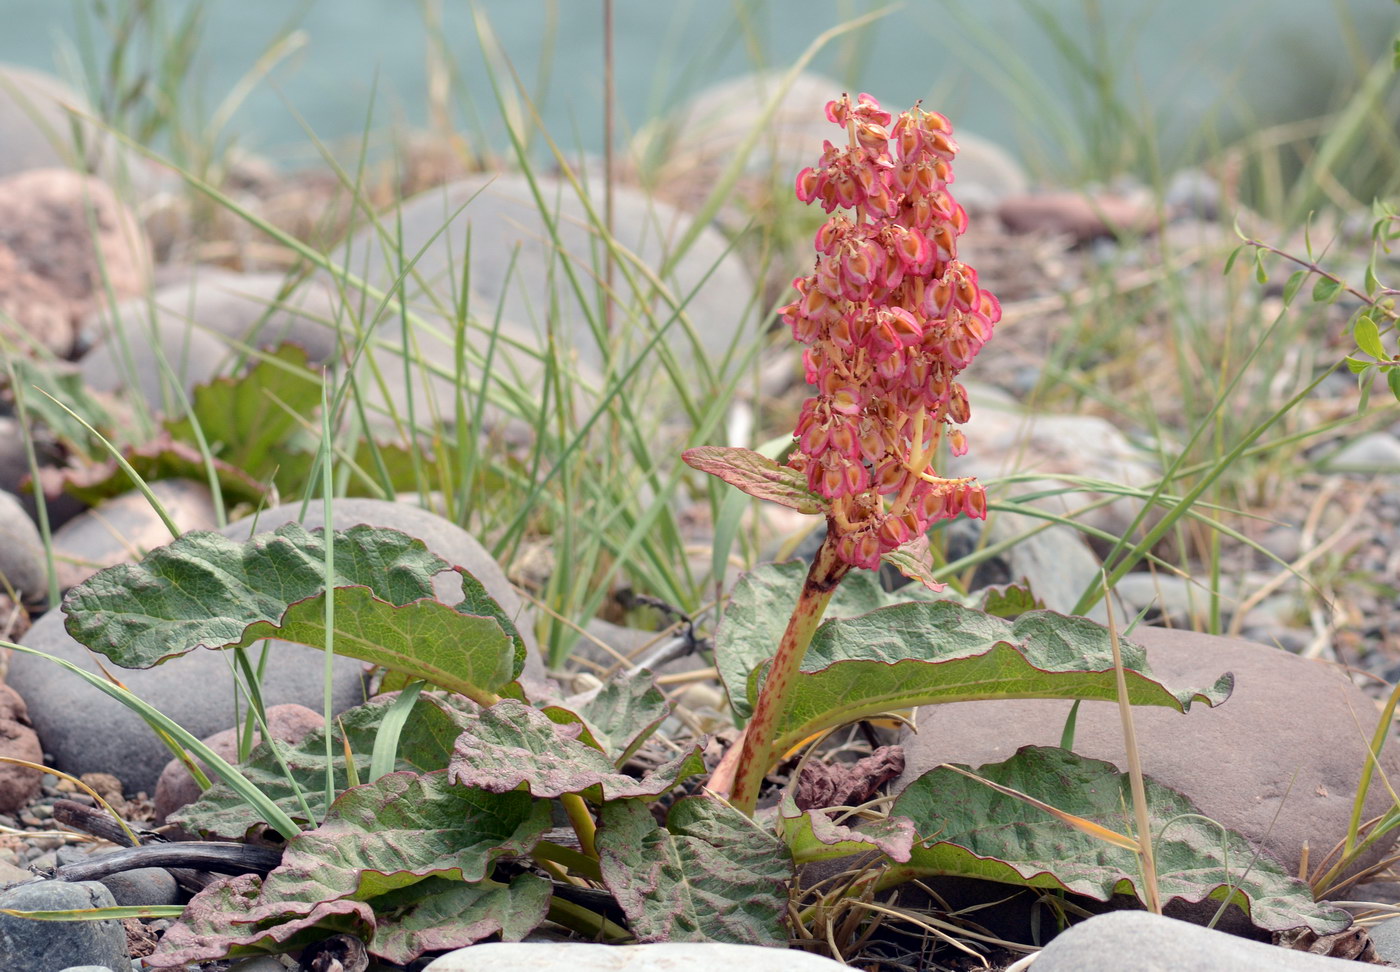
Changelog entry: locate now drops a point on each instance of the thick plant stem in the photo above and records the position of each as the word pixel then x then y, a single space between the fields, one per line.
pixel 757 756
pixel 582 822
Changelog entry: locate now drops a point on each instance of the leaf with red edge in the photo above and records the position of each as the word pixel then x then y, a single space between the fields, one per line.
pixel 912 560
pixel 439 914
pixel 757 475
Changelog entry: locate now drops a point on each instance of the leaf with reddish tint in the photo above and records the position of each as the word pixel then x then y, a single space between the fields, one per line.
pixel 940 651
pixel 161 458
pixel 979 832
pixel 228 919
pixel 712 875
pixel 402 828
pixel 437 914
pixel 624 713
pixel 207 589
pixel 912 560
pixel 425 744
pixel 512 743
pixel 758 611
pixel 812 835
pixel 757 475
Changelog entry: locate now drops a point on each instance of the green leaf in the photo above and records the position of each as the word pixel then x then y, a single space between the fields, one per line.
pixel 1234 254
pixel 425 744
pixel 712 875
pixel 242 419
pixel 758 611
pixel 400 829
pixel 65 384
pixel 1392 378
pixel 1356 366
pixel 925 653
pixel 757 475
pixel 1259 272
pixel 512 743
pixel 423 639
pixel 205 589
pixel 812 835
pixel 1326 290
pixel 1371 283
pixel 1011 601
pixel 1368 337
pixel 437 914
pixel 161 458
pixel 624 713
pixel 985 834
pixel 1295 281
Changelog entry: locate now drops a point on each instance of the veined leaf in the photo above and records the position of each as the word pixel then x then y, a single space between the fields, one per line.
pixel 712 875
pixel 1368 337
pixel 982 833
pixel 924 653
pixel 757 475
pixel 438 914
pixel 205 589
pixel 623 714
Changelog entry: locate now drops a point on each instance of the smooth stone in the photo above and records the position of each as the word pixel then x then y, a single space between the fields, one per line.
pixel 67 241
pixel 1081 217
pixel 143 887
pixel 1385 936
pixel 506 227
pixel 1184 601
pixel 18 784
pixel 1193 192
pixel 122 529
pixel 665 957
pixel 1372 452
pixel 134 367
pixel 28 946
pixel 1236 762
pixel 176 787
pixel 22 562
pixel 251 308
pixel 1136 941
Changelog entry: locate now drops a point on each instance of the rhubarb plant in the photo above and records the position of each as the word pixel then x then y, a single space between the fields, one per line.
pixel 429 820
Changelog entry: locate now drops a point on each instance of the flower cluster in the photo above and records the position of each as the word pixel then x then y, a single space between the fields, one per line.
pixel 889 317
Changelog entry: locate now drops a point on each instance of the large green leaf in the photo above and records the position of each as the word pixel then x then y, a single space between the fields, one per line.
pixel 758 611
pixel 247 419
pixel 624 713
pixel 206 589
pixel 986 834
pixel 438 914
pixel 425 744
pixel 402 828
pixel 424 639
pixel 921 653
pixel 712 875
pixel 512 743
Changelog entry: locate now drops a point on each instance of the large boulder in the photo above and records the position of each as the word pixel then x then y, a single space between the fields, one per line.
pixel 65 242
pixel 1278 762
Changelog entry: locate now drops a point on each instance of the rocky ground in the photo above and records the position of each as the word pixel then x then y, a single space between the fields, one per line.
pixel 1317 581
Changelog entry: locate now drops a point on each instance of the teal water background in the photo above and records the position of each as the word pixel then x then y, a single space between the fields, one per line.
pixel 1230 65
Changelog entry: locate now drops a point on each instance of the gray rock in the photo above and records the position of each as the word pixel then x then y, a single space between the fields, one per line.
pixel 28 946
pixel 121 529
pixel 252 308
pixel 22 561
pixel 1193 192
pixel 506 224
pixel 134 366
pixel 667 957
pixel 1372 452
pixel 143 887
pixel 1185 601
pixel 1251 764
pixel 1135 941
pixel 1386 939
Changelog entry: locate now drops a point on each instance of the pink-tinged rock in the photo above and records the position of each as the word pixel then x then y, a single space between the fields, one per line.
pixel 18 784
pixel 64 240
pixel 1074 214
pixel 1278 762
pixel 176 787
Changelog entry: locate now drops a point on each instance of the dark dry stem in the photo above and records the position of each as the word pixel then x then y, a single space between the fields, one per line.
pixel 757 757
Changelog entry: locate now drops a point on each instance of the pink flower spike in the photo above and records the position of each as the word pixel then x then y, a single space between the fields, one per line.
pixel 808 184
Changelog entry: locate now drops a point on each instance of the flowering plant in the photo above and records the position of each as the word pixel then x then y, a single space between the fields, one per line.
pixel 890 317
